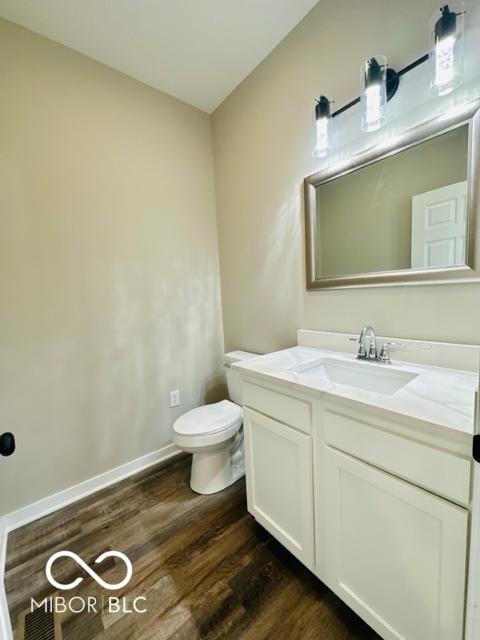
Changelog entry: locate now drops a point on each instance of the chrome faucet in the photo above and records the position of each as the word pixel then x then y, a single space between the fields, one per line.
pixel 370 352
pixel 367 346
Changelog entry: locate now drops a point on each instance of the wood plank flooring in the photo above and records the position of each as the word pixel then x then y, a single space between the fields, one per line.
pixel 206 568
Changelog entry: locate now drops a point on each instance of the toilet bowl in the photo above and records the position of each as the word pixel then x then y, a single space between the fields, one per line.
pixel 213 434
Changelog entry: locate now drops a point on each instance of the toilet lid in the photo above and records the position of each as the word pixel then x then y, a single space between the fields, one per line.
pixel 211 418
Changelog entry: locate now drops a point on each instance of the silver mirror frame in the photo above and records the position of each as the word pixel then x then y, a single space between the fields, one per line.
pixel 468 115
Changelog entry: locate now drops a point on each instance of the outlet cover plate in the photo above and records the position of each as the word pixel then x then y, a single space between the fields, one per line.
pixel 175 398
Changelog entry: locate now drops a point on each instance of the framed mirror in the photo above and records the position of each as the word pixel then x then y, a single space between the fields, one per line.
pixel 406 213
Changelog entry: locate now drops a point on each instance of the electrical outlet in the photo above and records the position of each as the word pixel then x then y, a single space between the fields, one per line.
pixel 175 398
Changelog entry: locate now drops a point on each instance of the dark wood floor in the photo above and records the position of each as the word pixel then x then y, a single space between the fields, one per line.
pixel 204 565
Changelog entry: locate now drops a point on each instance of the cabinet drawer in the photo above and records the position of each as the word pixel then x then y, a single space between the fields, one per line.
pixel 442 473
pixel 292 411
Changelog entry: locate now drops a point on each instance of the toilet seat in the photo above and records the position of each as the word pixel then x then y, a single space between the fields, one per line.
pixel 210 419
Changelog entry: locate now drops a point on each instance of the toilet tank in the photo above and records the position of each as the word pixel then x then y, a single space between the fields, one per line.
pixel 233 376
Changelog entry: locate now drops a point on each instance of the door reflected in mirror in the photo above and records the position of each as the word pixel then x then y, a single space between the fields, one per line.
pixel 404 211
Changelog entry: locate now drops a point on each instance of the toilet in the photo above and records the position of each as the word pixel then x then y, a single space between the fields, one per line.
pixel 213 434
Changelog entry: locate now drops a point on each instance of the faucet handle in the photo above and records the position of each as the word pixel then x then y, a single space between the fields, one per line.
pixel 384 355
pixel 361 346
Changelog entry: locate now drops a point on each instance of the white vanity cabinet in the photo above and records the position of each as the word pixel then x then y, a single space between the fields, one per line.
pixel 379 512
pixel 279 482
pixel 388 542
pixel 394 553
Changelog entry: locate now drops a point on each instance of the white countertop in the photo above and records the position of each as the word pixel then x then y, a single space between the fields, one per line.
pixel 436 395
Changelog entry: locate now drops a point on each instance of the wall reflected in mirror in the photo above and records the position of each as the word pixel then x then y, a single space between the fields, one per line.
pixel 404 211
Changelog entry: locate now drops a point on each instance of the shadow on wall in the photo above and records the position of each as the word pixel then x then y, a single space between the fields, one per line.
pixel 274 246
pixel 215 389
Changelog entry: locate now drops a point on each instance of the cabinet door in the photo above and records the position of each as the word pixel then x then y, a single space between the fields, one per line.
pixel 279 482
pixel 394 553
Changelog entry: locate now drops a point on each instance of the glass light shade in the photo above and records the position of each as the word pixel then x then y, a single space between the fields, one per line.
pixel 373 78
pixel 446 48
pixel 322 137
pixel 323 125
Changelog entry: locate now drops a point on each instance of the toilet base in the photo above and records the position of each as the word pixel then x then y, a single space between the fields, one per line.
pixel 213 471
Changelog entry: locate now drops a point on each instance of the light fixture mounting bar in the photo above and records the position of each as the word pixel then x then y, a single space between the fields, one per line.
pixel 400 73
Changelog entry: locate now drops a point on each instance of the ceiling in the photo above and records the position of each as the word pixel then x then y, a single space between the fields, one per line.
pixel 195 50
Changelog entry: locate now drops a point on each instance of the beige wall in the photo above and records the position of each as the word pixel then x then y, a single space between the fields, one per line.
pixel 263 143
pixel 365 218
pixel 109 281
pixel 108 248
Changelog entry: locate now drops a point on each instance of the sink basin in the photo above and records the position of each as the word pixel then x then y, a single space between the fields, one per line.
pixel 367 376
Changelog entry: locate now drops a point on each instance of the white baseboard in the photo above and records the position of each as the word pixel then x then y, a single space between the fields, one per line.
pixel 5 625
pixel 48 505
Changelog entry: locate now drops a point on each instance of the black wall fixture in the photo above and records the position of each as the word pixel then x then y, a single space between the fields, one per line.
pixel 476 447
pixel 379 82
pixel 7 444
pixel 393 80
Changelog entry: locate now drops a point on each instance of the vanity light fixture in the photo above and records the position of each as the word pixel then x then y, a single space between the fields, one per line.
pixel 373 76
pixel 380 83
pixel 446 48
pixel 323 120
